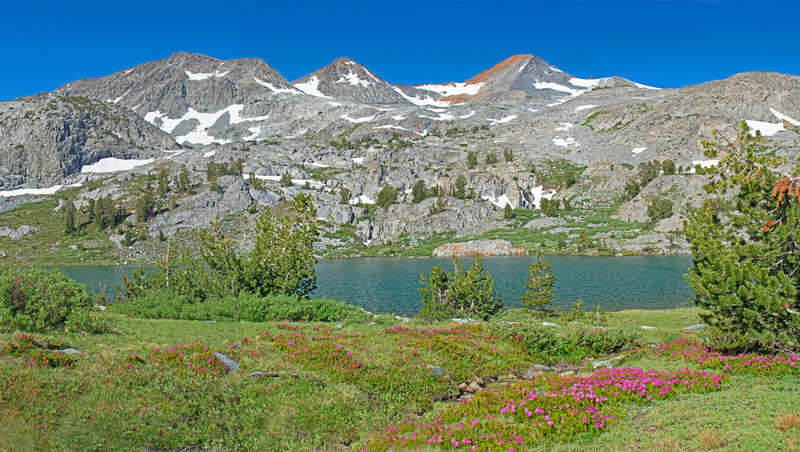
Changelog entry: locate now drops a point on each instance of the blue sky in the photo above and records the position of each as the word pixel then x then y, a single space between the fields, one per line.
pixel 658 42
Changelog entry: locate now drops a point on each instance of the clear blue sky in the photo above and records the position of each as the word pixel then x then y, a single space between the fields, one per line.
pixel 658 42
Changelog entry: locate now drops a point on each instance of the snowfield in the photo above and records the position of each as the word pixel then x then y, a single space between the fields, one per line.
pixel 113 165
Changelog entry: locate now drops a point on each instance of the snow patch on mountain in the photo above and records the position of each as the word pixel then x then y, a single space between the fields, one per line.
pixel 639 85
pixel 564 126
pixel 116 101
pixel 441 117
pixel 311 87
pixel 113 165
pixel 639 150
pixel 565 142
pixel 352 78
pixel 540 193
pixel 783 117
pixel 453 89
pixel 584 107
pixel 500 201
pixel 204 76
pixel 586 82
pixel 767 129
pixel 275 89
pixel 363 199
pixel 556 87
pixel 494 122
pixel 200 133
pixel 357 120
pixel 419 101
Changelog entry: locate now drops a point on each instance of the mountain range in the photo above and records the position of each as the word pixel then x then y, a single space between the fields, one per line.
pixel 345 127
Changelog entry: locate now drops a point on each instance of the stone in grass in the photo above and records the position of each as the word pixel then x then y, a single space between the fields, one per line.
pixel 647 327
pixel 472 388
pixel 550 324
pixel 536 370
pixel 71 351
pixel 608 363
pixel 698 326
pixel 229 364
pixel 436 370
pixel 468 321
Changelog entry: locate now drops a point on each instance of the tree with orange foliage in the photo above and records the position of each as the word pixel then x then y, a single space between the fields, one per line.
pixel 746 271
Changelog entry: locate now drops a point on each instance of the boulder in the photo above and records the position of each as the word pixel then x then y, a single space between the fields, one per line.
pixel 229 364
pixel 545 222
pixel 484 247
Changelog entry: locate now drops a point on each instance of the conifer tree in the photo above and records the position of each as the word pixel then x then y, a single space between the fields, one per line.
pixel 539 289
pixel 69 218
pixel 746 271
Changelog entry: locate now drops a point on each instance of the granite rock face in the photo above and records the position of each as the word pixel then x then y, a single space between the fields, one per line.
pixel 343 133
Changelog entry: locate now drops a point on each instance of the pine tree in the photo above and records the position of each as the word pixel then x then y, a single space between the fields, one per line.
pixel 69 218
pixel 418 192
pixel 460 293
pixel 508 212
pixel 460 187
pixel 163 183
pixel 472 160
pixel 386 197
pixel 539 289
pixel 746 271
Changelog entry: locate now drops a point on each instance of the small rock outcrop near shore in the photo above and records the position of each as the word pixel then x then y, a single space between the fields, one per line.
pixel 484 247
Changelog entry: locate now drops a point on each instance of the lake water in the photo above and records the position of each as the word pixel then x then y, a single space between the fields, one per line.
pixel 392 285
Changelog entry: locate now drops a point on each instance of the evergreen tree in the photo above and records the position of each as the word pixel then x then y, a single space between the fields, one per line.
pixel 539 289
pixel 418 192
pixel 460 187
pixel 69 218
pixel 163 183
pixel 508 212
pixel 386 197
pixel 658 209
pixel 184 184
pixel 145 207
pixel 472 160
pixel 746 271
pixel 460 293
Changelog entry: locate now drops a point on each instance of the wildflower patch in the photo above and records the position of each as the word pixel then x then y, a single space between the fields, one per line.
pixel 40 352
pixel 694 352
pixel 552 408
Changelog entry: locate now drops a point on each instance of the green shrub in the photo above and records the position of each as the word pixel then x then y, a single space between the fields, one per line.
pixel 160 304
pixel 460 293
pixel 35 299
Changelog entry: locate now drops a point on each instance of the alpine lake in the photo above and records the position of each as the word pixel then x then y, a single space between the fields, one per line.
pixel 391 285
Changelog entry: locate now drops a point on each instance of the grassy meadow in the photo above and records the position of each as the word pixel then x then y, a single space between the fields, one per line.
pixel 382 384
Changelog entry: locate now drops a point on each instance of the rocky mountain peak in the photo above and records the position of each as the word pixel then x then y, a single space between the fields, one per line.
pixel 513 62
pixel 345 79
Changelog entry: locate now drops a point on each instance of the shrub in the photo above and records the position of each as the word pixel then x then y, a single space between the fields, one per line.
pixel 159 304
pixel 35 299
pixel 281 262
pixel 460 293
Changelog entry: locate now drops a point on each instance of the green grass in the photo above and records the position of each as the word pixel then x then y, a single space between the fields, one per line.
pixel 316 402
